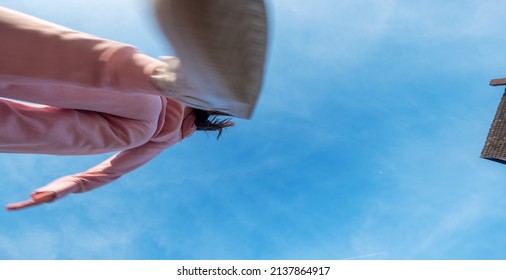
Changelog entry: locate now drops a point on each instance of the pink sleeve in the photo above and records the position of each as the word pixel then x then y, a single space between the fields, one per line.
pixel 106 172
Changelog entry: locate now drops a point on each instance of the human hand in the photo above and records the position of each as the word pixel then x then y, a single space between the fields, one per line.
pixel 36 199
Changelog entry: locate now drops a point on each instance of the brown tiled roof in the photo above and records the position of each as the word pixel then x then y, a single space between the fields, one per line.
pixel 495 145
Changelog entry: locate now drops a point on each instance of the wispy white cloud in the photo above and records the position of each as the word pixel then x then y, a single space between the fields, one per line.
pixel 368 256
pixel 33 244
pixel 338 33
pixel 435 193
pixel 71 239
pixel 424 20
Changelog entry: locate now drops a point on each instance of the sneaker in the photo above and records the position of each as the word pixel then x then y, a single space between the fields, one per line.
pixel 222 46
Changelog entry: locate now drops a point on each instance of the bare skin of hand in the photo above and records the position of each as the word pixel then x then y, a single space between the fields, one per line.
pixel 36 199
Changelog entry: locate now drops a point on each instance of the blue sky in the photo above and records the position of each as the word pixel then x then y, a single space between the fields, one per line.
pixel 365 145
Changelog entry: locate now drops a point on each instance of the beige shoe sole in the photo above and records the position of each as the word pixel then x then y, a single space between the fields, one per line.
pixel 222 46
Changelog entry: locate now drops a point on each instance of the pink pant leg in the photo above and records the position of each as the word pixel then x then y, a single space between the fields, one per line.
pixel 41 129
pixel 37 51
pixel 137 107
pixel 44 63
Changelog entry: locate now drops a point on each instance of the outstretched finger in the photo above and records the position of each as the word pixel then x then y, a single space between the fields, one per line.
pixel 22 204
pixel 36 199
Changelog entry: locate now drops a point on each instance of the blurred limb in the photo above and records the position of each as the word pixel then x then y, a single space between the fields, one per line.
pixel 36 199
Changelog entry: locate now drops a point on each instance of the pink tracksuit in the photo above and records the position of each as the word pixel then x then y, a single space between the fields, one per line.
pixel 92 96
